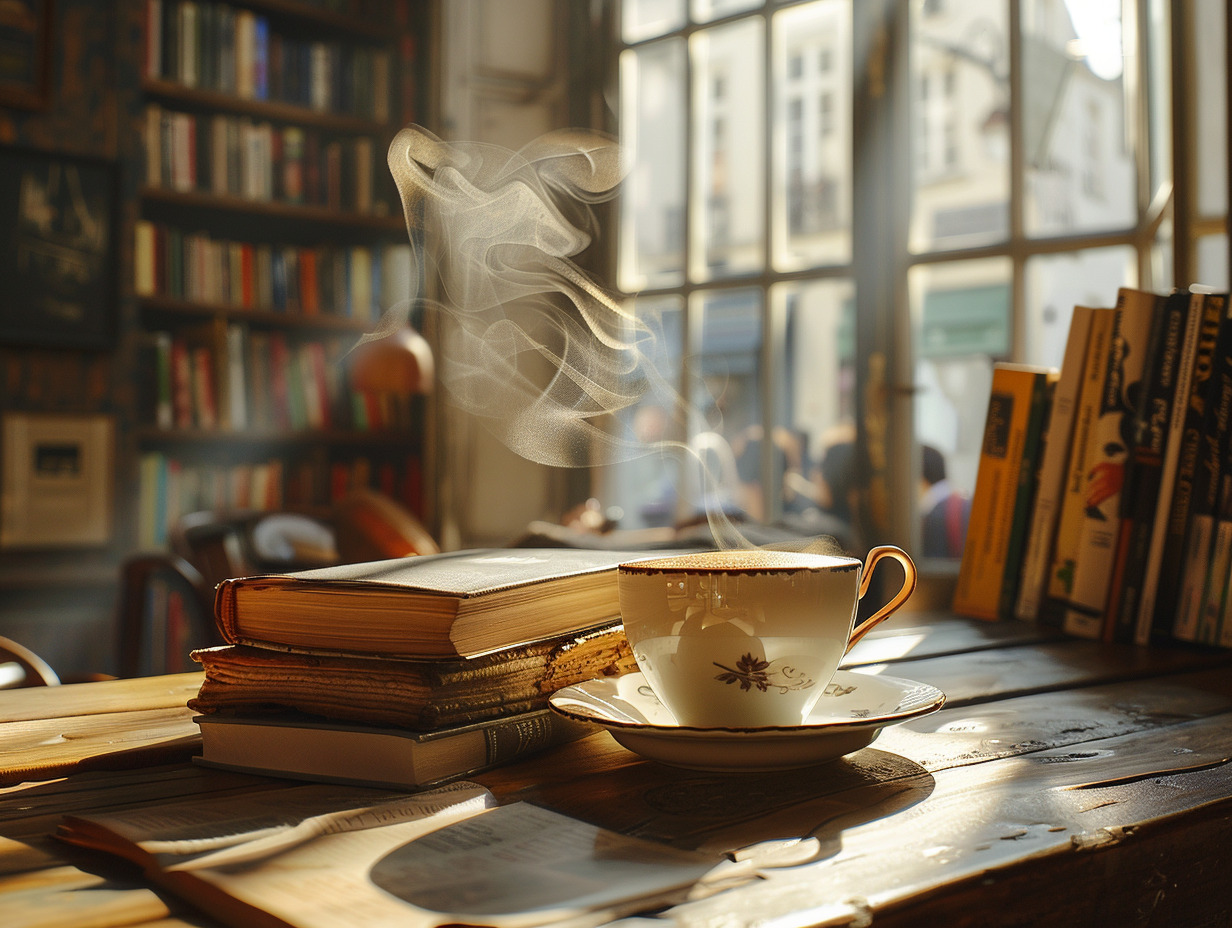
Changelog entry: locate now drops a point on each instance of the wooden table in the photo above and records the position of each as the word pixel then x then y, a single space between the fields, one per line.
pixel 1065 782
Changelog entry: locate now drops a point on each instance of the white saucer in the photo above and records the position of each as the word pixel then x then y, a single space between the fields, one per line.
pixel 851 713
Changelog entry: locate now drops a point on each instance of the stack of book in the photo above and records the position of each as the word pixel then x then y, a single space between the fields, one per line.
pixel 407 671
pixel 1103 501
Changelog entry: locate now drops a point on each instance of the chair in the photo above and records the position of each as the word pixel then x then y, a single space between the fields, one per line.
pixel 166 603
pixel 19 666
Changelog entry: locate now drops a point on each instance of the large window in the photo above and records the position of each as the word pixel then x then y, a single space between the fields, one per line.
pixel 841 213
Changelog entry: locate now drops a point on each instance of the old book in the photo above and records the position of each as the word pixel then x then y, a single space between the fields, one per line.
pixel 458 604
pixel 1070 516
pixel 322 855
pixel 418 695
pixel 1001 502
pixel 1038 553
pixel 1107 460
pixel 303 747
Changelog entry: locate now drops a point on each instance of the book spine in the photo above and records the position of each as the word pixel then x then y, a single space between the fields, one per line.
pixel 1028 481
pixel 1211 440
pixel 1106 462
pixel 982 572
pixel 1073 495
pixel 1052 471
pixel 510 739
pixel 1193 421
pixel 1140 493
pixel 1167 473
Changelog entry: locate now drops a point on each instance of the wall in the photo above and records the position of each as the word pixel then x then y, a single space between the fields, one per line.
pixel 59 602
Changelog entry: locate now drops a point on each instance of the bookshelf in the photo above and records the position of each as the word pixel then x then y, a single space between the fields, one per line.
pixel 268 237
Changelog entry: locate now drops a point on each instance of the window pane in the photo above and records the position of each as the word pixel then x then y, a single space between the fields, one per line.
pixel 1055 284
pixel 706 10
pixel 962 314
pixel 652 202
pixel 726 396
pixel 1213 261
pixel 1211 72
pixel 645 19
pixel 1159 94
pixel 814 389
pixel 1079 166
pixel 645 487
pixel 728 128
pixel 960 124
pixel 812 134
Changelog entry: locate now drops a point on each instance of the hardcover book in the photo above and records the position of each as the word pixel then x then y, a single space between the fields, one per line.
pixel 458 604
pixel 302 747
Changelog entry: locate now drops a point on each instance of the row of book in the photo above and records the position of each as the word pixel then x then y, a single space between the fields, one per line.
pixel 171 488
pixel 253 159
pixel 355 282
pixel 258 380
pixel 1103 501
pixel 233 50
pixel 444 666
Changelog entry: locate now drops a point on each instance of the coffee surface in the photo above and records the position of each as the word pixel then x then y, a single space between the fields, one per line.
pixel 741 560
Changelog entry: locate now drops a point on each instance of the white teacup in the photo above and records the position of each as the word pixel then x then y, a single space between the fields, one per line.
pixel 747 638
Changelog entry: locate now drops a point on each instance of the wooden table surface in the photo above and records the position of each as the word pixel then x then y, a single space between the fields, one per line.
pixel 1065 782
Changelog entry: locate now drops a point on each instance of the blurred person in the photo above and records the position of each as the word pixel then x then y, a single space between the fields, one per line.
pixel 944 511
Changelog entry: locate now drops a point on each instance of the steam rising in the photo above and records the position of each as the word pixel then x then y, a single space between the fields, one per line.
pixel 529 343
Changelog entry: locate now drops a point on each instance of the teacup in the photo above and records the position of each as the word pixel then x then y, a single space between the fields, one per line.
pixel 748 638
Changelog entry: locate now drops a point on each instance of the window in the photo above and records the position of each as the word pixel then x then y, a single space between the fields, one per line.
pixel 839 292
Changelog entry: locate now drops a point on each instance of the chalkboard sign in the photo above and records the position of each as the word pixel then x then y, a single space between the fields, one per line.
pixel 57 250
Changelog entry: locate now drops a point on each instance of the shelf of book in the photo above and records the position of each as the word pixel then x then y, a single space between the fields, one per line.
pixel 199 99
pixel 323 216
pixel 167 310
pixel 269 236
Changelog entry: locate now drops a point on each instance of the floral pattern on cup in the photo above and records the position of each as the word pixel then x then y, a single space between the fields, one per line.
pixel 753 672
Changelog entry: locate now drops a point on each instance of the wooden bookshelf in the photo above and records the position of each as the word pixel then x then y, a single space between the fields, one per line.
pixel 268 237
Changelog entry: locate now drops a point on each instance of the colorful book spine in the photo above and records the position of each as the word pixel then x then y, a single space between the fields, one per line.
pixel 1151 569
pixel 1107 460
pixel 1203 477
pixel 1013 428
pixel 1140 494
pixel 1043 524
pixel 1070 515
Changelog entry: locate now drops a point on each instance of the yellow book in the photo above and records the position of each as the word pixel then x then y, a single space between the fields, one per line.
pixel 1004 490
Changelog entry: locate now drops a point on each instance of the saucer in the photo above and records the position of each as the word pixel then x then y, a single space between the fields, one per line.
pixel 851 713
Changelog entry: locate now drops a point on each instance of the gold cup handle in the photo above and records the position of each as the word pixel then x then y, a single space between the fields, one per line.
pixel 908 587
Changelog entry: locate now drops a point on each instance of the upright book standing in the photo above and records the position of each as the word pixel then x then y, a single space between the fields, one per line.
pixel 1198 474
pixel 1201 330
pixel 1107 459
pixel 1037 556
pixel 1004 490
pixel 1067 538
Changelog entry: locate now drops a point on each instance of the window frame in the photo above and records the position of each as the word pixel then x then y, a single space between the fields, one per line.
pixel 1164 217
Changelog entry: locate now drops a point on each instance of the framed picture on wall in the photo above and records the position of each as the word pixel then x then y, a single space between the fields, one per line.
pixel 25 52
pixel 57 249
pixel 58 480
